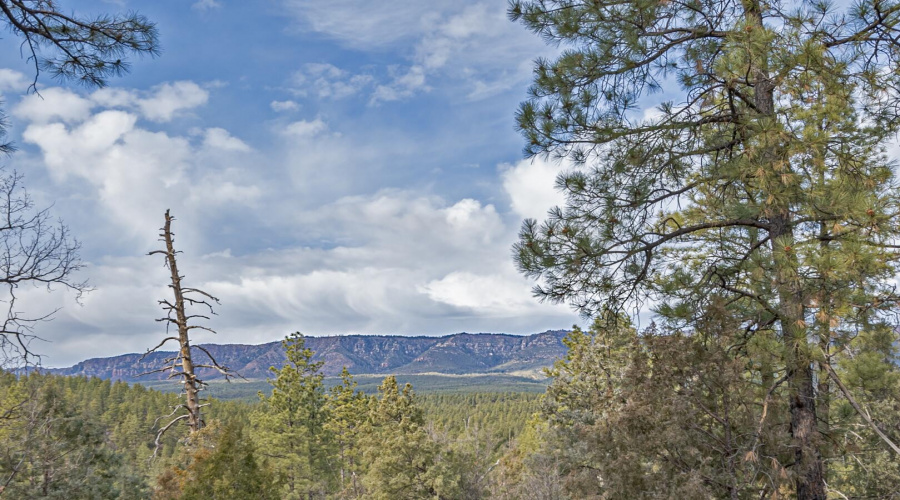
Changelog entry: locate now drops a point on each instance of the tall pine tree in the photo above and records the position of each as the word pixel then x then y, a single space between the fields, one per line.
pixel 347 410
pixel 290 425
pixel 760 195
pixel 404 462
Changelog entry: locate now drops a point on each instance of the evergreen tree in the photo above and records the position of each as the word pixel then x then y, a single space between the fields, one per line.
pixel 221 464
pixel 762 197
pixel 404 462
pixel 290 425
pixel 661 416
pixel 229 470
pixel 346 408
pixel 76 47
pixel 528 468
pixel 50 451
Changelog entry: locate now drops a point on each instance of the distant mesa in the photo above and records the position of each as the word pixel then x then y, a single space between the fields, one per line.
pixel 461 353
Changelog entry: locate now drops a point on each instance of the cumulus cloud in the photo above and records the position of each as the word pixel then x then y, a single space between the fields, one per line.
pixel 135 173
pixel 13 81
pixel 168 99
pixel 53 104
pixel 305 128
pixel 161 103
pixel 219 139
pixel 530 185
pixel 290 234
pixel 491 294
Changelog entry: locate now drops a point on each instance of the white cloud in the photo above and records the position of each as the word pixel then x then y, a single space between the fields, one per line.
pixel 219 139
pixel 328 81
pixel 53 104
pixel 212 190
pixel 132 170
pixel 492 294
pixel 405 261
pixel 161 104
pixel 13 81
pixel 135 174
pixel 304 128
pixel 530 185
pixel 170 98
pixel 365 25
pixel 468 46
pixel 206 5
pixel 403 85
pixel 284 106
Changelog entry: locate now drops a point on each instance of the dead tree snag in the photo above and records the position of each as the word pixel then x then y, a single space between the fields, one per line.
pixel 181 364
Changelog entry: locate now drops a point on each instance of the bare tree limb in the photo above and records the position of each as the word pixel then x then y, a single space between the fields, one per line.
pixel 865 416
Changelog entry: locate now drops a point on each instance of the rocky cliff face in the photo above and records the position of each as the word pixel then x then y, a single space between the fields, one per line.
pixel 361 354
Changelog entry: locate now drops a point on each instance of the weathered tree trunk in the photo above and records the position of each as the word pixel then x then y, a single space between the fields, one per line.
pixel 182 363
pixel 191 389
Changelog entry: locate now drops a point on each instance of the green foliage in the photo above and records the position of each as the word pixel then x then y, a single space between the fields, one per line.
pixel 758 212
pixel 660 416
pixel 290 425
pixel 226 470
pixel 458 438
pixel 49 450
pixel 528 468
pixel 248 390
pixel 501 415
pixel 347 410
pixel 404 462
pixel 85 50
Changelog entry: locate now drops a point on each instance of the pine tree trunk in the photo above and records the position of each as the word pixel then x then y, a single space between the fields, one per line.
pixel 810 479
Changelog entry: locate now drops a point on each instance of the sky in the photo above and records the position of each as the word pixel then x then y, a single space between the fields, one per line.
pixel 334 167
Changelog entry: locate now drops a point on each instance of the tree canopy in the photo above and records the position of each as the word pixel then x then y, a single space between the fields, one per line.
pixel 86 50
pixel 756 199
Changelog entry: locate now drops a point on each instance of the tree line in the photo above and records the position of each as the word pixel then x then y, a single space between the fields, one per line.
pixel 89 438
pixel 628 413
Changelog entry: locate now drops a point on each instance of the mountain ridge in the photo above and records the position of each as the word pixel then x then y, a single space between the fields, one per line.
pixel 460 353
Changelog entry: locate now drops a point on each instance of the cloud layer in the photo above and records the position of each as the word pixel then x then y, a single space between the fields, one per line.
pixel 469 46
pixel 289 232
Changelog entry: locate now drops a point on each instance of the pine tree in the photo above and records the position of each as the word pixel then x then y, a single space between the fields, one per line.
pixel 346 408
pixel 228 470
pixel 49 450
pixel 75 47
pixel 290 425
pixel 403 461
pixel 761 196
pixel 221 464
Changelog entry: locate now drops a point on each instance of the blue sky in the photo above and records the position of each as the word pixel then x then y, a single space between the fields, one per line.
pixel 334 167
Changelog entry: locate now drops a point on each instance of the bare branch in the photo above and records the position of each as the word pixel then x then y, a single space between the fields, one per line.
pixel 865 416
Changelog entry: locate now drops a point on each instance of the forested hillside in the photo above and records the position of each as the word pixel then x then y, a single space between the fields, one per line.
pixel 78 437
